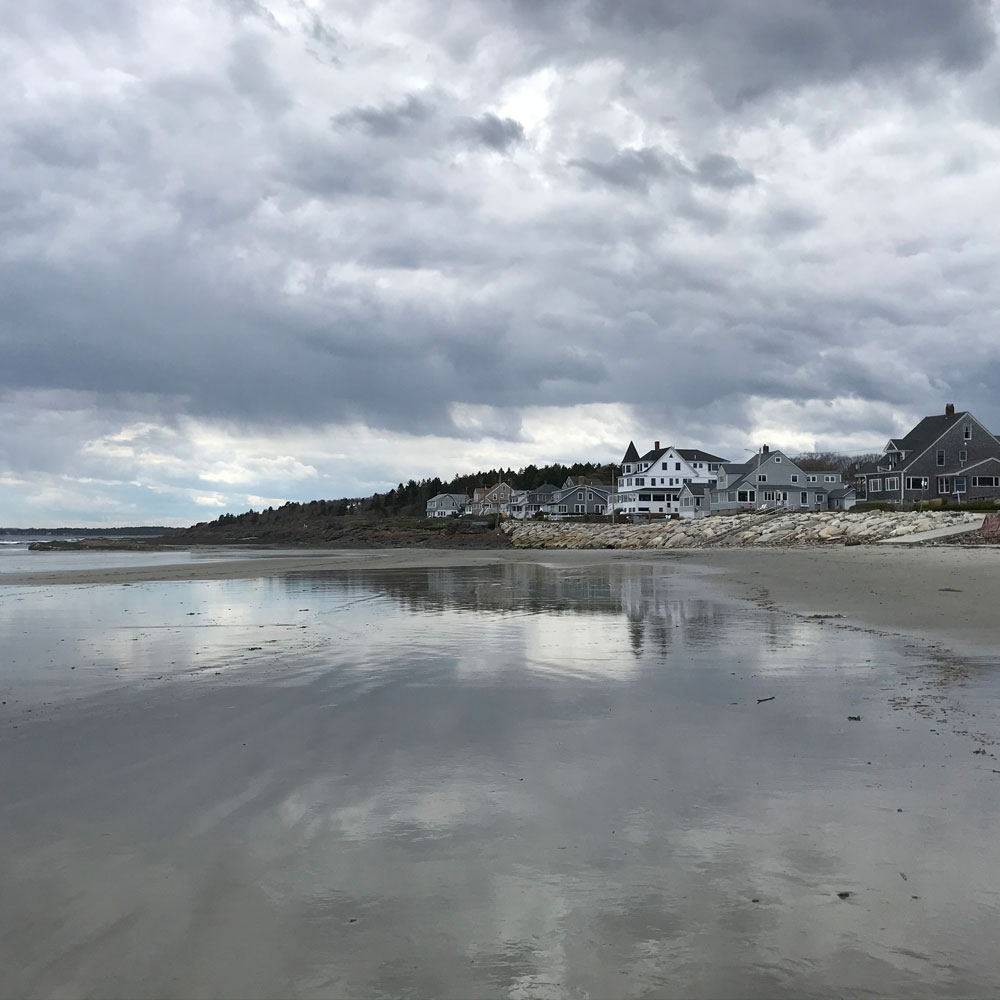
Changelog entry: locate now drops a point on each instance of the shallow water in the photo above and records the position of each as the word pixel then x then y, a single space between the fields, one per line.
pixel 511 781
pixel 15 556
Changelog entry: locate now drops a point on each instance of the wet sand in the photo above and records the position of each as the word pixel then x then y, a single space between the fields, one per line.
pixel 503 774
pixel 940 593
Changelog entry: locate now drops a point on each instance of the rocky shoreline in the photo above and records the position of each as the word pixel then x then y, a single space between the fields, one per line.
pixel 740 530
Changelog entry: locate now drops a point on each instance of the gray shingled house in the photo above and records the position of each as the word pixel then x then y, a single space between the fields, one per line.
pixel 446 504
pixel 769 480
pixel 946 456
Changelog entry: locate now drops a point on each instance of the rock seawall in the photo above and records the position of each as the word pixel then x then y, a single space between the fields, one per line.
pixel 737 531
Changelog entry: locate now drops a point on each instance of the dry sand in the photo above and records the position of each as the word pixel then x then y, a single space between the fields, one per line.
pixel 942 593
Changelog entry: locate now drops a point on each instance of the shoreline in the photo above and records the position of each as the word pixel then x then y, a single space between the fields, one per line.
pixel 941 593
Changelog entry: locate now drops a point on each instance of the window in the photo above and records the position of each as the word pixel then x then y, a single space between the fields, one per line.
pixel 640 482
pixel 829 479
pixel 812 479
pixel 598 508
pixel 590 496
pixel 746 496
pixel 685 501
pixel 761 477
pixel 713 466
pixel 891 483
pixel 795 478
pixel 686 480
pixel 968 432
pixel 874 485
pixel 940 456
pixel 959 484
pixel 659 498
pixel 563 508
pixel 677 466
pixel 626 469
pixel 986 481
pixel 777 458
pixel 963 456
pixel 768 495
pixel 645 496
pixel 916 482
pixel 664 466
pixel 579 495
pixel 580 508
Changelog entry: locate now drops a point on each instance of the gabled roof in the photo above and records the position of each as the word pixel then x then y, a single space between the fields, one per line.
pixel 928 431
pixel 736 468
pixel 696 489
pixel 839 494
pixel 545 488
pixel 631 455
pixel 962 470
pixel 697 455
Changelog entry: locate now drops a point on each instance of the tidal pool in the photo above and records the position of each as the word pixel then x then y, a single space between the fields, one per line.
pixel 508 781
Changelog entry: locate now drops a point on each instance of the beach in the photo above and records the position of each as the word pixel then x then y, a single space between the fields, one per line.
pixel 905 590
pixel 509 773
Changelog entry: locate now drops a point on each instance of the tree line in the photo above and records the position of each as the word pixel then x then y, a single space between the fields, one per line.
pixel 410 499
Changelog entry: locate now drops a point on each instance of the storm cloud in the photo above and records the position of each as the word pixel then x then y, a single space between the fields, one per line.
pixel 378 241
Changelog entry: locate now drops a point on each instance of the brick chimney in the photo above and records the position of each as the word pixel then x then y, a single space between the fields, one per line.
pixel 764 449
pixel 949 409
pixel 656 445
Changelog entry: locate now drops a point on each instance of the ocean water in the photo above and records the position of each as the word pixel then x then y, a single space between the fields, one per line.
pixel 15 557
pixel 512 781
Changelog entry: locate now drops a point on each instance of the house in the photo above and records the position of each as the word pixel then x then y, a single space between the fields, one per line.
pixel 695 499
pixel 517 504
pixel 945 456
pixel 575 497
pixel 538 498
pixel 651 483
pixel 771 479
pixel 446 504
pixel 490 499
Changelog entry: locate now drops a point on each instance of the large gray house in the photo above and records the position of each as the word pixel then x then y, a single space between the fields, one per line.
pixel 769 480
pixel 946 456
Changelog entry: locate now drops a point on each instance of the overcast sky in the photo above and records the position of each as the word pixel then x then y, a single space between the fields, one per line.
pixel 258 250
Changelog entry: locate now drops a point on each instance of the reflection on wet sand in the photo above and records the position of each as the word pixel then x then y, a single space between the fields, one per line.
pixel 508 781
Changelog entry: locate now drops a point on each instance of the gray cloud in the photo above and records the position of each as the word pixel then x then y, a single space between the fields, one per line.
pixel 719 171
pixel 390 119
pixel 711 205
pixel 633 169
pixel 496 133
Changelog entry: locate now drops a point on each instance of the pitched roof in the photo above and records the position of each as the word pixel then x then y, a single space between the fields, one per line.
pixel 927 432
pixel 736 468
pixel 631 455
pixel 696 489
pixel 545 488
pixel 654 454
pixel 697 455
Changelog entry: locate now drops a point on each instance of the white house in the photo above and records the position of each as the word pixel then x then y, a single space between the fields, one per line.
pixel 651 483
